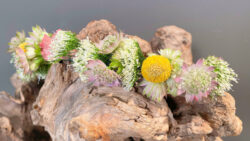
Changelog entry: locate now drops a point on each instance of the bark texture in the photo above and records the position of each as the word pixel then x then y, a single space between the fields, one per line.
pixel 98 29
pixel 175 38
pixel 81 112
pixel 15 119
pixel 69 109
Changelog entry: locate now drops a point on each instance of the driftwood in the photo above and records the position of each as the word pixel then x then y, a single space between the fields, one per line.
pixel 15 119
pixel 175 38
pixel 69 109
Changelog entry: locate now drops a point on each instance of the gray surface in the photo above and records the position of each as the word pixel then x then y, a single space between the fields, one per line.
pixel 218 27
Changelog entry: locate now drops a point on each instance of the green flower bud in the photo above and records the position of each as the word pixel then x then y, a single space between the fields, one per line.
pixel 35 64
pixel 30 52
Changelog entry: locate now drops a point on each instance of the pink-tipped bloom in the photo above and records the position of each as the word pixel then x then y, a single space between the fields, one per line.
pixel 59 45
pixel 109 43
pixel 196 81
pixel 99 75
pixel 155 91
pixel 45 47
pixel 22 60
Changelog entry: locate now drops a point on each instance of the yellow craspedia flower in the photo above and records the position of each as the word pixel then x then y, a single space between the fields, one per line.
pixel 22 46
pixel 156 69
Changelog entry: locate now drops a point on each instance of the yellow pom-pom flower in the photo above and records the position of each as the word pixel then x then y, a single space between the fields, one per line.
pixel 156 69
pixel 23 46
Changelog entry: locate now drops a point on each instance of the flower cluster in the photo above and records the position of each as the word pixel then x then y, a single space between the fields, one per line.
pixel 166 74
pixel 159 72
pixel 26 55
pixel 155 91
pixel 156 70
pixel 100 75
pixel 127 59
pixel 58 46
pixel 196 81
pixel 87 51
pixel 121 58
pixel 224 75
pixel 211 76
pixel 118 61
pixel 108 44
pixel 176 62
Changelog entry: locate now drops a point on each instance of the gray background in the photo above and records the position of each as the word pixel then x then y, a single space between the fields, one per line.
pixel 218 27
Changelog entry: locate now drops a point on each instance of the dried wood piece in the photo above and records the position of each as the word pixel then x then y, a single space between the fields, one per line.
pixel 14 107
pixel 220 113
pixel 15 113
pixel 6 133
pixel 70 110
pixel 97 30
pixel 216 114
pixel 175 38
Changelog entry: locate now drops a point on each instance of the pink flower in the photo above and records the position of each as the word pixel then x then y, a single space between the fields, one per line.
pixel 22 60
pixel 45 47
pixel 100 75
pixel 109 43
pixel 155 91
pixel 196 81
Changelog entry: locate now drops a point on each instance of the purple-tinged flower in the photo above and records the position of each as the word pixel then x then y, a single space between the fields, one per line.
pixel 26 55
pixel 196 81
pixel 99 74
pixel 45 47
pixel 59 45
pixel 22 60
pixel 225 75
pixel 109 43
pixel 155 91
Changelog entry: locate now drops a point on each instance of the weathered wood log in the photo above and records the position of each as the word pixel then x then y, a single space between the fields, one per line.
pixel 98 29
pixel 72 110
pixel 175 38
pixel 15 120
pixel 69 109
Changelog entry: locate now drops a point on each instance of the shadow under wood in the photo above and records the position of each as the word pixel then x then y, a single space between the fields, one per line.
pixel 37 134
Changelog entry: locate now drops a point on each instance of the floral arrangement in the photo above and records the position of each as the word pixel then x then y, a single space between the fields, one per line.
pixel 117 61
pixel 196 81
pixel 26 54
pixel 169 66
pixel 224 75
pixel 58 46
pixel 121 60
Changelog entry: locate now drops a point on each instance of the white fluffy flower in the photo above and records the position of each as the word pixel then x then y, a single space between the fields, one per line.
pixel 174 56
pixel 87 51
pixel 59 45
pixel 108 44
pixel 16 41
pixel 155 91
pixel 224 75
pixel 36 35
pixel 197 81
pixel 130 56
